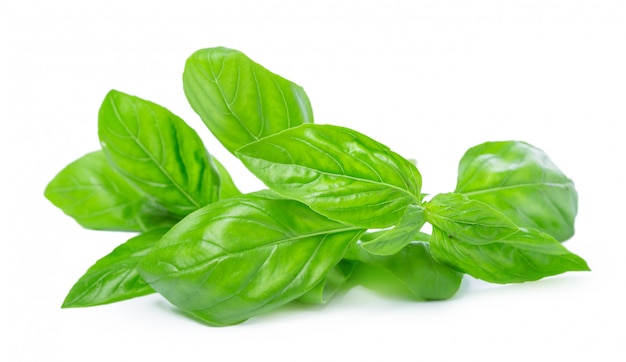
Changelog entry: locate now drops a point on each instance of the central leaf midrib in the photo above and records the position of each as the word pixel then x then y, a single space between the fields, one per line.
pixel 159 166
pixel 226 102
pixel 357 179
pixel 237 253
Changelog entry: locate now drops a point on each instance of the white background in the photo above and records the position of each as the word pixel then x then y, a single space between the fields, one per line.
pixel 428 78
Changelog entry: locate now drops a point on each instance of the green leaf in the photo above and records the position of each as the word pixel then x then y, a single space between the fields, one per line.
pixel 479 240
pixel 97 197
pixel 239 100
pixel 227 186
pixel 115 278
pixel 241 256
pixel 158 152
pixel 336 278
pixel 468 220
pixel 391 241
pixel 338 172
pixel 526 255
pixel 523 183
pixel 413 267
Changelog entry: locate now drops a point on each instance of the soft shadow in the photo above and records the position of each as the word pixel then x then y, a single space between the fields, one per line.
pixel 475 287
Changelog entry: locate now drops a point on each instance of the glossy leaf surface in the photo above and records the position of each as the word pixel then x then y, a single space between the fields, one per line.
pixel 415 268
pixel 523 183
pixel 469 220
pixel 158 152
pixel 114 277
pixel 239 100
pixel 338 172
pixel 241 256
pixel 97 197
pixel 526 255
pixel 391 241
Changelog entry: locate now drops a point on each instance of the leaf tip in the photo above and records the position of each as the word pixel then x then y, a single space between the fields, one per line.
pixel 68 303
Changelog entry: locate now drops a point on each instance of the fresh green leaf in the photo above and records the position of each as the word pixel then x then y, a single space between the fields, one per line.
pixel 227 186
pixel 338 172
pixel 413 267
pixel 241 256
pixel 523 183
pixel 479 240
pixel 468 220
pixel 526 255
pixel 239 100
pixel 331 284
pixel 234 256
pixel 158 152
pixel 115 277
pixel 391 241
pixel 97 197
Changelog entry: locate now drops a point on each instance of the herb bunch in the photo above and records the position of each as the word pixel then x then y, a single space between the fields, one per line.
pixel 338 204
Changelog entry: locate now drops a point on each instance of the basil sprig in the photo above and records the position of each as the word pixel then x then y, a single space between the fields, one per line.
pixel 341 208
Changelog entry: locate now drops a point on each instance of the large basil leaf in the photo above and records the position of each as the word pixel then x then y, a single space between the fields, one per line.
pixel 413 267
pixel 468 220
pixel 114 277
pixel 523 183
pixel 158 152
pixel 97 197
pixel 526 255
pixel 241 256
pixel 391 241
pixel 338 172
pixel 239 100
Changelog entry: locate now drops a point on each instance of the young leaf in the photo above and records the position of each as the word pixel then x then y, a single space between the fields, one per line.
pixel 114 277
pixel 241 256
pixel 526 255
pixel 391 241
pixel 413 267
pixel 158 152
pixel 468 220
pixel 338 172
pixel 97 197
pixel 330 285
pixel 239 100
pixel 523 183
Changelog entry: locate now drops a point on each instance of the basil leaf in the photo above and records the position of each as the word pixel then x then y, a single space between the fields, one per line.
pixel 336 278
pixel 114 277
pixel 158 152
pixel 479 240
pixel 523 183
pixel 413 267
pixel 526 255
pixel 97 197
pixel 338 172
pixel 468 220
pixel 227 186
pixel 241 256
pixel 239 100
pixel 391 241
